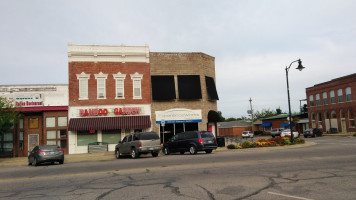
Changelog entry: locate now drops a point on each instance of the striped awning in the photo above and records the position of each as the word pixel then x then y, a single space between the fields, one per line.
pixel 109 123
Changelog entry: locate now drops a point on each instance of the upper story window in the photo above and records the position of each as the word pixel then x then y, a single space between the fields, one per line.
pixel 119 85
pixel 317 99
pixel 332 96
pixel 101 85
pixel 348 94
pixel 137 89
pixel 83 85
pixel 311 100
pixel 325 98
pixel 340 96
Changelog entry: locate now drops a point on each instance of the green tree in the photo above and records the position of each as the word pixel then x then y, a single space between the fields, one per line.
pixel 264 113
pixel 8 115
pixel 222 119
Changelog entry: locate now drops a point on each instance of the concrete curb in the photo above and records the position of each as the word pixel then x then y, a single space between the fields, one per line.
pixel 72 158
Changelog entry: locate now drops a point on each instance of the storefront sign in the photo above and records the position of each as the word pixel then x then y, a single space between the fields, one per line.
pixel 28 100
pixel 109 111
pixel 178 115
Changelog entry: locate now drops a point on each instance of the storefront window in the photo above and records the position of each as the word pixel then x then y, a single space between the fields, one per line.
pixel 21 123
pixel 57 137
pixel 85 137
pixel 62 121
pixel 111 136
pixel 50 122
pixel 351 118
pixel 33 123
pixel 21 142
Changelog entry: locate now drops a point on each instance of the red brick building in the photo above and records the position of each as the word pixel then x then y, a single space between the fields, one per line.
pixel 332 105
pixel 109 94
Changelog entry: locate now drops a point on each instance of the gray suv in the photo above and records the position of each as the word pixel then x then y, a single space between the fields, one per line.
pixel 138 143
pixel 191 141
pixel 276 132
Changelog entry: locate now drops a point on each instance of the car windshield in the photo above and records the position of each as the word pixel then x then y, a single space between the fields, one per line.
pixel 245 132
pixel 286 130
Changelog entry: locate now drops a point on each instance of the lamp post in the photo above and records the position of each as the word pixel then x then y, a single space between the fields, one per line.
pixel 300 68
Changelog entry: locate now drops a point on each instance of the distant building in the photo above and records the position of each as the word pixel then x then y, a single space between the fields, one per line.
pixel 299 122
pixel 234 128
pixel 43 118
pixel 332 105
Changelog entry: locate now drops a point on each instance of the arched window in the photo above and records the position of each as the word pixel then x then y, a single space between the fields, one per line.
pixel 317 99
pixel 333 114
pixel 311 100
pixel 332 96
pixel 348 94
pixel 325 98
pixel 326 114
pixel 340 96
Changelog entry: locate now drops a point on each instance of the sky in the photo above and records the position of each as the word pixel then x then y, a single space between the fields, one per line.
pixel 252 41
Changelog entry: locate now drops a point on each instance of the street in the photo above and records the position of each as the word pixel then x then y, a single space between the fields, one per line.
pixel 326 170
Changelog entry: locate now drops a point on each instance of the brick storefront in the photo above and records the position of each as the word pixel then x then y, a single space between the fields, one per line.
pixel 332 105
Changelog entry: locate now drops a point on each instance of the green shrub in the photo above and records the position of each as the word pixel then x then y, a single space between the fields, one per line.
pixel 299 141
pixel 247 144
pixel 231 146
pixel 354 134
pixel 287 141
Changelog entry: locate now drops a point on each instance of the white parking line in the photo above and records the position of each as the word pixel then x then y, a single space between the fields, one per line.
pixel 284 195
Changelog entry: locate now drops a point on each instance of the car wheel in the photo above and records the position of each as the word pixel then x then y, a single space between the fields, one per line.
pixel 61 162
pixel 35 162
pixel 313 135
pixel 208 151
pixel 192 150
pixel 166 151
pixel 117 153
pixel 154 154
pixel 134 153
pixel 52 163
pixel 29 162
pixel 182 152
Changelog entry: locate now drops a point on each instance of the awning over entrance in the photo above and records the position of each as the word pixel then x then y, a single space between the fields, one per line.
pixel 266 124
pixel 109 123
pixel 213 116
pixel 286 124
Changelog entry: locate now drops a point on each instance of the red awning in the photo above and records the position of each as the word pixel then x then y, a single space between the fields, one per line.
pixel 109 123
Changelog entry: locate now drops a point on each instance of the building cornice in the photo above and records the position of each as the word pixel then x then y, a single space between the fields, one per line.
pixel 105 53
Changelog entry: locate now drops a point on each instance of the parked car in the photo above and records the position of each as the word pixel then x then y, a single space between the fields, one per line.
pixel 286 133
pixel 46 153
pixel 191 141
pixel 138 143
pixel 247 134
pixel 276 132
pixel 312 132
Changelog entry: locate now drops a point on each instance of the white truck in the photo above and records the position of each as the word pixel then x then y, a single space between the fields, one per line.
pixel 138 143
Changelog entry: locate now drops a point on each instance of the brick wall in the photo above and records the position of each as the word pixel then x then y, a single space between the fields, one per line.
pixel 343 125
pixel 184 64
pixel 109 68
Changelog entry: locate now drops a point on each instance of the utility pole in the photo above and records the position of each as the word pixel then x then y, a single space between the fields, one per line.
pixel 251 114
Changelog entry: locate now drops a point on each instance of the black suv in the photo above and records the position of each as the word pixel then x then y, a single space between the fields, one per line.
pixel 192 141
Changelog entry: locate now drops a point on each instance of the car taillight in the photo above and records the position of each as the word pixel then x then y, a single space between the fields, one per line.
pixel 139 144
pixel 200 141
pixel 311 131
pixel 41 152
pixel 61 150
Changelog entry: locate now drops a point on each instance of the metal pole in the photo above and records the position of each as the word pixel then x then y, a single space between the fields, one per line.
pixel 251 114
pixel 290 112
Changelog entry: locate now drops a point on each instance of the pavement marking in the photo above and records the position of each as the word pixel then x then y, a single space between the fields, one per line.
pixel 147 168
pixel 290 196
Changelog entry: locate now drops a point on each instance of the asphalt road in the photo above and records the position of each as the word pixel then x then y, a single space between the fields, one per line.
pixel 326 170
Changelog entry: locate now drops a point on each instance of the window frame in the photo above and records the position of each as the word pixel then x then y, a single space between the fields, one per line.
pixel 340 96
pixel 348 94
pixel 311 100
pixel 83 87
pixel 101 85
pixel 332 97
pixel 136 78
pixel 325 98
pixel 317 99
pixel 119 77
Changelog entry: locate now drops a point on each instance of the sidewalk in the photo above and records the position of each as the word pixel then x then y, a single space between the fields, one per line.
pixel 70 158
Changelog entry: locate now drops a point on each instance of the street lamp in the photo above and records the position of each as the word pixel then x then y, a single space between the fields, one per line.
pixel 300 68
